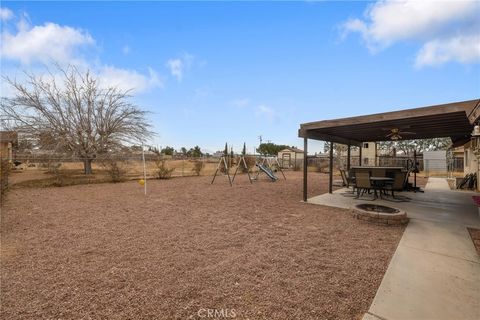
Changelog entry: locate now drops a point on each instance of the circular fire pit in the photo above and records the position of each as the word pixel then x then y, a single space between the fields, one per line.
pixel 380 214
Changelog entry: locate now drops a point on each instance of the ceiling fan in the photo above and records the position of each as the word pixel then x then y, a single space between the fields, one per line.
pixel 396 133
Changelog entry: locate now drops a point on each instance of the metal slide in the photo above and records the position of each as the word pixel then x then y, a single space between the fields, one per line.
pixel 267 171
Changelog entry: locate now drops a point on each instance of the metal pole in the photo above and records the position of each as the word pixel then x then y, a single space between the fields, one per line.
pixel 348 157
pixel 330 174
pixel 144 171
pixel 360 156
pixel 415 169
pixel 305 164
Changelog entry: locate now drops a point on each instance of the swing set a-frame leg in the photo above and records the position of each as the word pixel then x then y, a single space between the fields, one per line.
pixel 226 169
pixel 222 159
pixel 215 175
pixel 242 160
pixel 280 168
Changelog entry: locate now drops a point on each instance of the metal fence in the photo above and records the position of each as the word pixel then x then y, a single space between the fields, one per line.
pixel 433 167
pixel 130 166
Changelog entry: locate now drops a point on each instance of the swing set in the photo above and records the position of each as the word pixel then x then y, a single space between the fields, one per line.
pixel 264 164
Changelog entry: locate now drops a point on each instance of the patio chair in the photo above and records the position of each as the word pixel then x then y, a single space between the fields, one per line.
pixel 362 183
pixel 346 183
pixel 398 183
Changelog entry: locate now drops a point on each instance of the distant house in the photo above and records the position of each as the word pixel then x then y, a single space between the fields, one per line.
pixel 369 153
pixel 8 144
pixel 290 157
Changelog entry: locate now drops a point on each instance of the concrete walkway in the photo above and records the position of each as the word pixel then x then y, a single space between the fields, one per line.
pixel 435 271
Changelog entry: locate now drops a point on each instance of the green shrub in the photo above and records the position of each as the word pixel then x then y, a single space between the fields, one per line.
pixel 197 167
pixel 163 172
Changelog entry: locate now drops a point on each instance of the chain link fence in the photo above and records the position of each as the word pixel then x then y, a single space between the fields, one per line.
pixel 119 167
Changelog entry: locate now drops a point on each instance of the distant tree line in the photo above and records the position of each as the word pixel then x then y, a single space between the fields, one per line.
pixel 195 152
pixel 271 149
pixel 406 147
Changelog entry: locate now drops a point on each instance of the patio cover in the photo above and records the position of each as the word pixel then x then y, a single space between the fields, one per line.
pixel 454 120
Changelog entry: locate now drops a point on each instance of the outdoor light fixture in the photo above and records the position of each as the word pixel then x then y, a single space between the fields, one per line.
pixel 476 131
pixel 475 141
pixel 395 137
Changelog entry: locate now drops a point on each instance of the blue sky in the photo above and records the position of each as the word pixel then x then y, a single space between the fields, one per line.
pixel 216 72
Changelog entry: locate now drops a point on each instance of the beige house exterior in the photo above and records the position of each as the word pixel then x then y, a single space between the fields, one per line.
pixel 471 155
pixel 290 157
pixel 369 153
pixel 8 143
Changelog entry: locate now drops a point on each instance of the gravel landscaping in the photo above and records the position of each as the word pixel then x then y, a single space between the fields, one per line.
pixel 106 251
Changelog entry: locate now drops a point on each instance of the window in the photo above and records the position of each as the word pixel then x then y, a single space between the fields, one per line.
pixel 365 145
pixel 466 158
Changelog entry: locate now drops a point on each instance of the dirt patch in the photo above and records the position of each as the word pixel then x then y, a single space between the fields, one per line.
pixel 106 251
pixel 475 235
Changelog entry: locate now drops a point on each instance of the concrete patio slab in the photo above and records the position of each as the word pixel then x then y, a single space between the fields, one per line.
pixel 425 285
pixel 435 271
pixel 443 238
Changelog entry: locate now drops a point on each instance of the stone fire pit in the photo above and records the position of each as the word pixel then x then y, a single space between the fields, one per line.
pixel 380 214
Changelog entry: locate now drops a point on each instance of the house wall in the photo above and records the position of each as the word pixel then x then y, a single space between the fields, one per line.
pixel 470 160
pixel 6 150
pixel 471 163
pixel 368 153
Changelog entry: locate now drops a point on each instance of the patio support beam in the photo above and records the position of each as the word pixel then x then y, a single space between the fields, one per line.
pixel 330 173
pixel 348 157
pixel 305 164
pixel 360 156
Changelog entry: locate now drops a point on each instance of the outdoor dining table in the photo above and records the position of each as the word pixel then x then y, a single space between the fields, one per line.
pixel 379 184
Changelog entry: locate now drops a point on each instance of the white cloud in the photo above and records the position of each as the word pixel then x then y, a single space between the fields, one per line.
pixel 178 66
pixel 52 43
pixel 5 14
pixel 464 49
pixel 436 24
pixel 44 43
pixel 126 79
pixel 266 112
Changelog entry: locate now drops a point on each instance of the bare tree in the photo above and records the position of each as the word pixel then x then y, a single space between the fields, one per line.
pixel 419 145
pixel 75 114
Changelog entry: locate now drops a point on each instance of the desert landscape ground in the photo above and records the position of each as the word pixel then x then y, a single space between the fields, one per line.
pixel 107 251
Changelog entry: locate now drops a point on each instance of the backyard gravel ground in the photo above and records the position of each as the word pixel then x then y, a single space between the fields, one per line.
pixel 188 249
